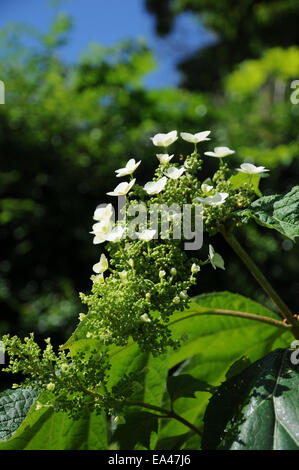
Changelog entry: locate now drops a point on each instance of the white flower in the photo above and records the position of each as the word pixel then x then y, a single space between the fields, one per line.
pixel 195 268
pixel 155 187
pixel 145 318
pixel 174 173
pixel 216 200
pixel 101 230
pixel 102 265
pixel 50 386
pixel 195 138
pixel 162 274
pixel 122 189
pixel 116 234
pixel 220 152
pixel 103 212
pixel 164 140
pixel 64 367
pixel 216 260
pixel 146 235
pixel 251 169
pixel 129 168
pixel 82 316
pixel 123 275
pixel 183 294
pixel 206 188
pixel 164 158
pixel 99 278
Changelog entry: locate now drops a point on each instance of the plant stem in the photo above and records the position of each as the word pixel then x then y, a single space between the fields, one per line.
pixel 264 283
pixel 166 414
pixel 234 313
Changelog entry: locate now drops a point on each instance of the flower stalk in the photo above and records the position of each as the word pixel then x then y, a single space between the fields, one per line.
pixel 264 283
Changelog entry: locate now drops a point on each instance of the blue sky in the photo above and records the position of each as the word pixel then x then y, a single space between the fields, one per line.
pixel 109 21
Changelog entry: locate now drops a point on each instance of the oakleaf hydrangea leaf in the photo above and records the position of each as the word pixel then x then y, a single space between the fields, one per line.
pixel 14 407
pixel 280 212
pixel 257 409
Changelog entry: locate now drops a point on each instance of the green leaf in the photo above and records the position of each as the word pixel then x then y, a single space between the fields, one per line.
pixel 237 367
pixel 279 212
pixel 185 385
pixel 46 430
pixel 239 179
pixel 212 346
pixel 14 407
pixel 173 442
pixel 137 430
pixel 256 410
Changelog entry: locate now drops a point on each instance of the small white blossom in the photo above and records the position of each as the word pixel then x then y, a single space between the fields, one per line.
pixel 251 169
pixel 145 318
pixel 195 268
pixel 174 173
pixel 123 275
pixel 116 234
pixel 183 294
pixel 130 167
pixel 164 158
pixel 122 189
pixel 195 138
pixel 164 140
pixel 102 265
pixel 146 235
pixel 220 152
pixel 162 274
pixel 176 300
pixel 103 212
pixel 155 187
pixel 215 200
pixel 206 188
pixel 216 260
pixel 101 230
pixel 64 367
pixel 82 316
pixel 50 386
pixel 99 278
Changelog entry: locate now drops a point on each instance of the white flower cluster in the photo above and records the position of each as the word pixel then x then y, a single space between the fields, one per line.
pixel 106 230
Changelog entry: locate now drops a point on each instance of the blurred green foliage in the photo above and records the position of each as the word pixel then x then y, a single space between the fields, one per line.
pixel 65 128
pixel 63 131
